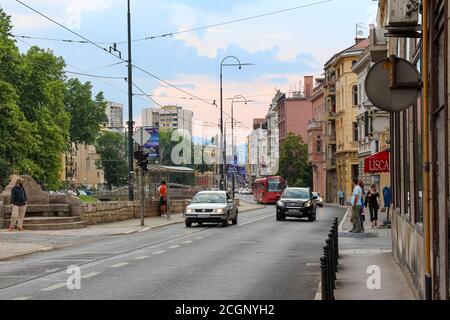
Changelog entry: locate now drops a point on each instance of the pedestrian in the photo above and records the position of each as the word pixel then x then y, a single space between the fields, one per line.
pixel 356 207
pixel 162 189
pixel 363 198
pixel 372 202
pixel 387 196
pixel 341 197
pixel 19 205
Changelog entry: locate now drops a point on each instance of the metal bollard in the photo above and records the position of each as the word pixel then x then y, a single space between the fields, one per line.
pixel 326 253
pixel 323 268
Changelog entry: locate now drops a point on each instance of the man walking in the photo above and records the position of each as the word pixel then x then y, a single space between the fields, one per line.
pixel 356 207
pixel 19 203
pixel 163 199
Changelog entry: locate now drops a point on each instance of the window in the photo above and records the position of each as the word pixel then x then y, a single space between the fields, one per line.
pixel 355 171
pixel 319 145
pixel 355 131
pixel 355 95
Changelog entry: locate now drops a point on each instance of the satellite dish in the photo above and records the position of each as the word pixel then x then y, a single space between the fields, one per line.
pixel 393 84
pixel 380 124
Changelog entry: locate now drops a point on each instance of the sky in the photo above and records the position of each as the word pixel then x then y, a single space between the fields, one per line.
pixel 283 48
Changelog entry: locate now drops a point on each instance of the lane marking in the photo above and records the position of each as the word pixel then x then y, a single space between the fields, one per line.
pixel 120 265
pixel 54 287
pixel 90 275
pixel 159 252
pixel 21 298
pixel 175 246
pixel 256 220
pixel 187 242
pixel 141 258
pixel 199 238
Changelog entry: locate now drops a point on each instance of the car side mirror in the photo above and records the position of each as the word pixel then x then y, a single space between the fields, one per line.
pixel 315 198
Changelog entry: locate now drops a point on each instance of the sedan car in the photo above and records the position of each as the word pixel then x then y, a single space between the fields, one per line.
pixel 319 199
pixel 297 203
pixel 211 206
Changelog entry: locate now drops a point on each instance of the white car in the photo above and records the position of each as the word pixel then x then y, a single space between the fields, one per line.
pixel 213 207
pixel 319 199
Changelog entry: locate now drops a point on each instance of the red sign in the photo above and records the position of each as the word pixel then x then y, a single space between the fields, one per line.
pixel 378 163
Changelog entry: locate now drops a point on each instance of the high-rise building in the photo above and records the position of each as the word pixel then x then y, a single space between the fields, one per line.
pixel 114 112
pixel 168 118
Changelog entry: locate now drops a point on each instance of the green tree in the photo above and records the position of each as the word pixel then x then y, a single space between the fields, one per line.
pixel 294 164
pixel 111 147
pixel 87 115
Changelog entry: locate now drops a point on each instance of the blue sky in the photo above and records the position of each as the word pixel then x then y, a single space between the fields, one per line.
pixel 283 47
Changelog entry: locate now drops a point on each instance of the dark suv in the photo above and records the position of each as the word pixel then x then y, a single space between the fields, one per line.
pixel 297 203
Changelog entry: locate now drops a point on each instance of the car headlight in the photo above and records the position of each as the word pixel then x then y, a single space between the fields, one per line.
pixel 219 211
pixel 308 204
pixel 189 211
pixel 280 203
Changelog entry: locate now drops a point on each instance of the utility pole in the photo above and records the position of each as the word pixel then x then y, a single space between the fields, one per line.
pixel 130 113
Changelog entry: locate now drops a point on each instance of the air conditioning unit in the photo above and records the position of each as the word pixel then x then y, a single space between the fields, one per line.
pixel 403 13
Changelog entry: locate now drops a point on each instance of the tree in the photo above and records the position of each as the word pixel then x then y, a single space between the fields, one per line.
pixel 294 164
pixel 111 147
pixel 87 115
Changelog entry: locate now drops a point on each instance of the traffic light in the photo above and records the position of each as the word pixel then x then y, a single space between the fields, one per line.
pixel 142 159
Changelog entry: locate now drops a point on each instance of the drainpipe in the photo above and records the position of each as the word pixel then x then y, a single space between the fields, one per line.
pixel 426 153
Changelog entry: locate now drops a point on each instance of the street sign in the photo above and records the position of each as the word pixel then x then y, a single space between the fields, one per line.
pixel 393 84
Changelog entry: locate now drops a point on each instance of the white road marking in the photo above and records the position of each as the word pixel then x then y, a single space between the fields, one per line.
pixel 159 252
pixel 120 265
pixel 175 246
pixel 187 242
pixel 141 258
pixel 256 220
pixel 199 238
pixel 54 287
pixel 21 298
pixel 90 275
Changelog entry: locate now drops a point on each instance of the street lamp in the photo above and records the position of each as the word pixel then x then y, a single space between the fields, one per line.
pixel 222 64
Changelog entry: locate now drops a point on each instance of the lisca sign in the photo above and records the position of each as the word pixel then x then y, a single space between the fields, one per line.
pixel 378 163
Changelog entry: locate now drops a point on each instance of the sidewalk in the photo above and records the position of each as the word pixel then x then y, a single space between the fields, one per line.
pixel 16 244
pixel 359 253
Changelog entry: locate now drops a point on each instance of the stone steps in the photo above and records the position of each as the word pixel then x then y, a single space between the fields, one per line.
pixel 54 223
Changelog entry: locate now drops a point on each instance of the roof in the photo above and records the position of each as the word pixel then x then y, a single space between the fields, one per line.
pixel 155 168
pixel 364 43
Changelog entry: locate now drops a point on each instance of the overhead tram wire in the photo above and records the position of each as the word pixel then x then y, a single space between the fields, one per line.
pixel 171 34
pixel 118 57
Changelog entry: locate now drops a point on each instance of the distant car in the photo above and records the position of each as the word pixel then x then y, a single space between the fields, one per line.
pixel 239 191
pixel 81 193
pixel 212 207
pixel 319 199
pixel 245 191
pixel 297 203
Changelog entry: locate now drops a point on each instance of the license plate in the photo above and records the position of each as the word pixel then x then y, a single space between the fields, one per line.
pixel 294 211
pixel 203 215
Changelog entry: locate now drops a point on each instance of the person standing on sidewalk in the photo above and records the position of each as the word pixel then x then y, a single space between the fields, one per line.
pixel 356 207
pixel 363 206
pixel 372 201
pixel 19 203
pixel 163 199
pixel 341 197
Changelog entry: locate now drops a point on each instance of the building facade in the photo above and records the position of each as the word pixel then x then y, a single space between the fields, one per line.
pixel 114 112
pixel 168 118
pixel 347 163
pixel 419 140
pixel 316 152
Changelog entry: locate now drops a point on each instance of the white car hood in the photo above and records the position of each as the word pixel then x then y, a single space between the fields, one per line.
pixel 195 206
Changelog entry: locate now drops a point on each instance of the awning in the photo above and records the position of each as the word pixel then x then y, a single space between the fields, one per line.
pixel 154 168
pixel 378 163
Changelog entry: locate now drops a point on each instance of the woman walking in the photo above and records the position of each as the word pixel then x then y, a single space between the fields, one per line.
pixel 372 201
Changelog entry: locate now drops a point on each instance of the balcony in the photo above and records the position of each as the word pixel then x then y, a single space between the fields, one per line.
pixel 378 44
pixel 331 164
pixel 314 125
pixel 330 139
pixel 329 89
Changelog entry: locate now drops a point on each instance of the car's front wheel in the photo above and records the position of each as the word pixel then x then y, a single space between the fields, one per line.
pixel 281 216
pixel 188 224
pixel 235 220
pixel 312 217
pixel 225 222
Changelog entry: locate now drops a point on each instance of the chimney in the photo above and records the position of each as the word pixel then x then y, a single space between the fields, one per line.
pixel 309 86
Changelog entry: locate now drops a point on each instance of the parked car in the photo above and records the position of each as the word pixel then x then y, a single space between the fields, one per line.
pixel 245 191
pixel 319 199
pixel 297 203
pixel 212 207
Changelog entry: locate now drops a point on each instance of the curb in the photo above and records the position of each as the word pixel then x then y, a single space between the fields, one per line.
pixel 19 255
pixel 319 292
pixel 341 225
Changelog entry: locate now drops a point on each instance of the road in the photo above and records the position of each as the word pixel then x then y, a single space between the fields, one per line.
pixel 258 259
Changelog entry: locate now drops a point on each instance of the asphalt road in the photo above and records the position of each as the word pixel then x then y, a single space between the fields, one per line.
pixel 258 259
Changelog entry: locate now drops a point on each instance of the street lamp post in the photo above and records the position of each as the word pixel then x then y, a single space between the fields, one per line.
pixel 222 139
pixel 130 112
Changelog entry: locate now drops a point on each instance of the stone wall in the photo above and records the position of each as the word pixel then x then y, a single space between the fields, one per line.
pixel 107 212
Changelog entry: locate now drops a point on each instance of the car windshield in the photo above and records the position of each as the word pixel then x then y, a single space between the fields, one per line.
pixel 209 198
pixel 275 185
pixel 296 194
